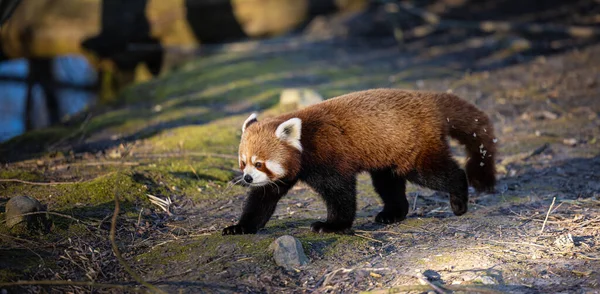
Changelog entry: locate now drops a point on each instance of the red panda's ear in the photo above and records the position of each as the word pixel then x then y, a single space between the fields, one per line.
pixel 250 120
pixel 289 131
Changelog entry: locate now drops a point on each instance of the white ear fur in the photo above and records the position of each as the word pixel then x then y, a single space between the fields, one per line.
pixel 289 131
pixel 251 119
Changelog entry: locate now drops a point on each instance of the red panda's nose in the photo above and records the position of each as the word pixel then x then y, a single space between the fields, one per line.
pixel 248 179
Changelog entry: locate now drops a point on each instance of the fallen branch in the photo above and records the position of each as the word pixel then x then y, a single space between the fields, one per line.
pixel 537 151
pixel 424 288
pixel 48 212
pixel 330 275
pixel 71 283
pixel 37 183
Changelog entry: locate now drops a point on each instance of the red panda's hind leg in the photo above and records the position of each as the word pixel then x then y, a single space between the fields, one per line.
pixel 443 174
pixel 392 190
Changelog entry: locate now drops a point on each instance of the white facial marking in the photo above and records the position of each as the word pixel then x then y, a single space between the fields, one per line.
pixel 251 118
pixel 290 131
pixel 258 178
pixel 275 168
pixel 253 158
pixel 244 157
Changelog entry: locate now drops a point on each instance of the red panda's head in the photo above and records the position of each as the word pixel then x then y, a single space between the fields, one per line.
pixel 269 150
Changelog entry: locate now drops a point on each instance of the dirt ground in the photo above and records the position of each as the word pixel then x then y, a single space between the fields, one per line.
pixel 177 136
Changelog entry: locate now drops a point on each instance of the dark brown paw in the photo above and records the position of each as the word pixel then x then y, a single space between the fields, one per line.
pixel 323 227
pixel 237 230
pixel 459 207
pixel 386 217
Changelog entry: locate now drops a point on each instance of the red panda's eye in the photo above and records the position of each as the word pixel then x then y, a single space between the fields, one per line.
pixel 258 165
pixel 243 165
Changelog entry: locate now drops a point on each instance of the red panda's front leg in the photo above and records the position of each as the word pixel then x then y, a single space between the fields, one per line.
pixel 339 194
pixel 258 208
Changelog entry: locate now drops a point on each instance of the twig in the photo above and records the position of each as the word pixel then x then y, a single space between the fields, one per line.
pixel 330 275
pixel 183 154
pixel 423 288
pixel 51 183
pixel 113 229
pixel 432 285
pixel 547 214
pixel 194 171
pixel 382 232
pixel 368 238
pixel 37 183
pixel 48 212
pixel 416 228
pixel 415 202
pixel 516 243
pixel 588 257
pixel 71 283
pixel 537 151
pixel 20 239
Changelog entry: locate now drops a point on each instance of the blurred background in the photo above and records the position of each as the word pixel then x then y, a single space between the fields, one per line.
pixel 61 57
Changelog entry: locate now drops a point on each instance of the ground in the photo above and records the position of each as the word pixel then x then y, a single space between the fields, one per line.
pixel 177 136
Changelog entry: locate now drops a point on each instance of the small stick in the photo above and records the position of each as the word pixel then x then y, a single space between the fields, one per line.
pixel 537 151
pixel 432 285
pixel 415 202
pixel 383 232
pixel 71 283
pixel 47 212
pixel 547 214
pixel 37 183
pixel 368 238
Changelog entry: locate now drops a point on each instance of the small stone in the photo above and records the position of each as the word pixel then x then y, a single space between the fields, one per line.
pixel 19 205
pixel 570 142
pixel 486 280
pixel 301 97
pixel 288 252
pixel 564 242
pixel 114 154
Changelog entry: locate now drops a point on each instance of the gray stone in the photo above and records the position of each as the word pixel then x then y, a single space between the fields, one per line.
pixel 486 280
pixel 300 97
pixel 19 205
pixel 288 252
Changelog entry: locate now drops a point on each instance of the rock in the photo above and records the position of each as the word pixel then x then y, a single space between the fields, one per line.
pixel 486 280
pixel 19 205
pixel 564 242
pixel 300 97
pixel 288 252
pixel 570 142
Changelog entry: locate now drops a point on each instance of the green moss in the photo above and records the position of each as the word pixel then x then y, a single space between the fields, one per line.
pixel 24 175
pixel 209 248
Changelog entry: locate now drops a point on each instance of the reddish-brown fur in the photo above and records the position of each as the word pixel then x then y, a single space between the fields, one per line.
pixel 395 135
pixel 378 128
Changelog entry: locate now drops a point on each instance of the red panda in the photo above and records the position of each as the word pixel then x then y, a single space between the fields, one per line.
pixel 395 135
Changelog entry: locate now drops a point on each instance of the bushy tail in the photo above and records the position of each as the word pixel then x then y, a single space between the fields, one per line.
pixel 472 128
